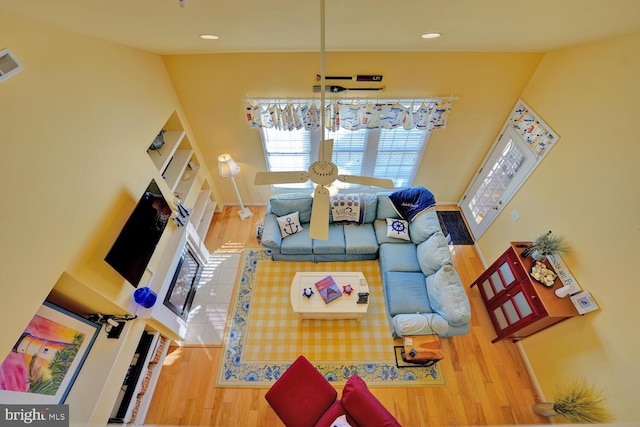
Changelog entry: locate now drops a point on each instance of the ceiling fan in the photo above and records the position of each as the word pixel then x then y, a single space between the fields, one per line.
pixel 322 172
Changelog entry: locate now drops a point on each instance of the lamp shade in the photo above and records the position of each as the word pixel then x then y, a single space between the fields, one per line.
pixel 227 167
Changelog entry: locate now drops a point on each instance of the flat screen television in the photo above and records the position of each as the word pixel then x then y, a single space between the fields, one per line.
pixel 132 250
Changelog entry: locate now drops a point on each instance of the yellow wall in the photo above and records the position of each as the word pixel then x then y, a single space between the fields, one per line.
pixel 211 88
pixel 75 123
pixel 77 120
pixel 586 191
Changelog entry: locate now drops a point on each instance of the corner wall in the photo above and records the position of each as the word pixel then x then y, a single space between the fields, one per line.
pixel 76 123
pixel 586 190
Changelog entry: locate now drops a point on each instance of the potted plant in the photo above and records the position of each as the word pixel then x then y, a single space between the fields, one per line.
pixel 548 244
pixel 578 402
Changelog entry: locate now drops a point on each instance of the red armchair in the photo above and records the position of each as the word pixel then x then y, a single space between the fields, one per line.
pixel 302 397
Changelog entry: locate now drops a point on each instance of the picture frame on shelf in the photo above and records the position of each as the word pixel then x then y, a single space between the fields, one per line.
pixel 584 302
pixel 47 357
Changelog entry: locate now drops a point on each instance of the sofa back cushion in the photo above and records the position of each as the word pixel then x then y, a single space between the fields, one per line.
pixel 385 207
pixel 447 296
pixel 363 407
pixel 424 225
pixel 433 253
pixel 284 204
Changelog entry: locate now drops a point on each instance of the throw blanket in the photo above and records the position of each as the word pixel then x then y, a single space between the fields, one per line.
pixel 411 201
pixel 348 208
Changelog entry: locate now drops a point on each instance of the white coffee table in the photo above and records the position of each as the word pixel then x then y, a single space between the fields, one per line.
pixel 343 307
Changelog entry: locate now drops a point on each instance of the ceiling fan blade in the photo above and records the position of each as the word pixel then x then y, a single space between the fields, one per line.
pixel 366 180
pixel 266 178
pixel 319 227
pixel 327 150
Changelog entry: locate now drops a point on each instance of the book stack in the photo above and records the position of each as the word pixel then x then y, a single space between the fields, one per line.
pixel 328 289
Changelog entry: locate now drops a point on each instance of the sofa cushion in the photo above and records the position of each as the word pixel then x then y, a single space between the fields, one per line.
pixel 398 229
pixel 360 239
pixel 424 225
pixel 398 257
pixel 448 297
pixel 433 253
pixel 361 405
pixel 386 208
pixel 334 244
pixel 298 244
pixel 289 224
pixel 283 204
pixel 371 208
pixel 271 235
pixel 420 324
pixel 290 398
pixel 336 410
pixel 406 293
pixel 380 227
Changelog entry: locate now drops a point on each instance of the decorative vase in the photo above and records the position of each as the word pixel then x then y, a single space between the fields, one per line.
pixel 537 256
pixel 544 409
pixel 158 141
pixel 145 297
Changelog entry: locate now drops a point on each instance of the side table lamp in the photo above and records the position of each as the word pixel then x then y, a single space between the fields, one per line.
pixel 228 168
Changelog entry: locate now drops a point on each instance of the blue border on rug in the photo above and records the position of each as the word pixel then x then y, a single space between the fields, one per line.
pixel 235 372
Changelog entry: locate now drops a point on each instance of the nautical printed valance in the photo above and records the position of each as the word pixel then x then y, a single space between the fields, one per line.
pixel 348 114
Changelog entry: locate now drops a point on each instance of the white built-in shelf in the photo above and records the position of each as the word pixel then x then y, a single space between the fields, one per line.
pixel 185 184
pixel 163 156
pixel 175 169
pixel 205 221
pixel 204 196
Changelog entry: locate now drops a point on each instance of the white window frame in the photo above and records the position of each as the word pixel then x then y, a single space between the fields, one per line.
pixel 370 155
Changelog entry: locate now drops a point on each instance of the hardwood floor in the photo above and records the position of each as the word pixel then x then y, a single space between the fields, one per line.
pixel 487 384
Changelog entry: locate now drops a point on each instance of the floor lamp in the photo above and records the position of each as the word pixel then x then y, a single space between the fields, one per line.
pixel 228 168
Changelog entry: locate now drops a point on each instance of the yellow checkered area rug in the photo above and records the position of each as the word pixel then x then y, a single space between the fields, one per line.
pixel 264 335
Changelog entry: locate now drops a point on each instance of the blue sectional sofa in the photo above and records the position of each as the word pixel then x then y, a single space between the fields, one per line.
pixel 423 293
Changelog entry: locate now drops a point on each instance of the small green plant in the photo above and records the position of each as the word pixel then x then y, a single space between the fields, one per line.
pixel 579 402
pixel 548 244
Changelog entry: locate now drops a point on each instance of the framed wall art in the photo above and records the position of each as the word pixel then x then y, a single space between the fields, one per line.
pixel 584 302
pixel 47 357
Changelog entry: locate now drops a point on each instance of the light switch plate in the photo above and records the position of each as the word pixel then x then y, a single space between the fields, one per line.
pixel 515 215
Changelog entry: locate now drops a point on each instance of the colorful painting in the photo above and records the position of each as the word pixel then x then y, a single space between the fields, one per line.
pixel 43 364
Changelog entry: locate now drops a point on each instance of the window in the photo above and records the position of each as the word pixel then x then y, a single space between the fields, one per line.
pixel 383 153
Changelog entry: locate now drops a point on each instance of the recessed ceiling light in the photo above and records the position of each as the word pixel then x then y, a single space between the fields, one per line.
pixel 209 37
pixel 431 35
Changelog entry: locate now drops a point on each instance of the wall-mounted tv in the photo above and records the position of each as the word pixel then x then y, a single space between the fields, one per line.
pixel 132 250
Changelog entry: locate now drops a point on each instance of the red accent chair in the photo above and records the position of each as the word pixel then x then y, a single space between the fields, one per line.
pixel 302 397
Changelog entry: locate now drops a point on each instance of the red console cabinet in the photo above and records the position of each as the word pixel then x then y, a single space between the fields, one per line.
pixel 517 304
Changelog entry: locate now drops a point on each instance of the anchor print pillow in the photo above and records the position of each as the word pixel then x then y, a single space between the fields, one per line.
pixel 289 224
pixel 398 228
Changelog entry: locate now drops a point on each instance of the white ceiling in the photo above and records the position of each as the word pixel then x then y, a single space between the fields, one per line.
pixel 163 27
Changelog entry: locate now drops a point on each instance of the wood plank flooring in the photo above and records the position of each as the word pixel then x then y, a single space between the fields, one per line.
pixel 487 384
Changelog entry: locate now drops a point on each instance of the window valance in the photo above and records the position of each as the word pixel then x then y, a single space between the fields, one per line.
pixel 287 114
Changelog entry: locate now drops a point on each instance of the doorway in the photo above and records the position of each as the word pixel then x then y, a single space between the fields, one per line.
pixel 524 141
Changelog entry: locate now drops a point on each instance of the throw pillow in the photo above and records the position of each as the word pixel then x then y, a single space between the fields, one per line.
pixel 398 228
pixel 289 224
pixel 433 253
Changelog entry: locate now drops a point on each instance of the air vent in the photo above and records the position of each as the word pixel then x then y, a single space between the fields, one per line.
pixel 9 65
